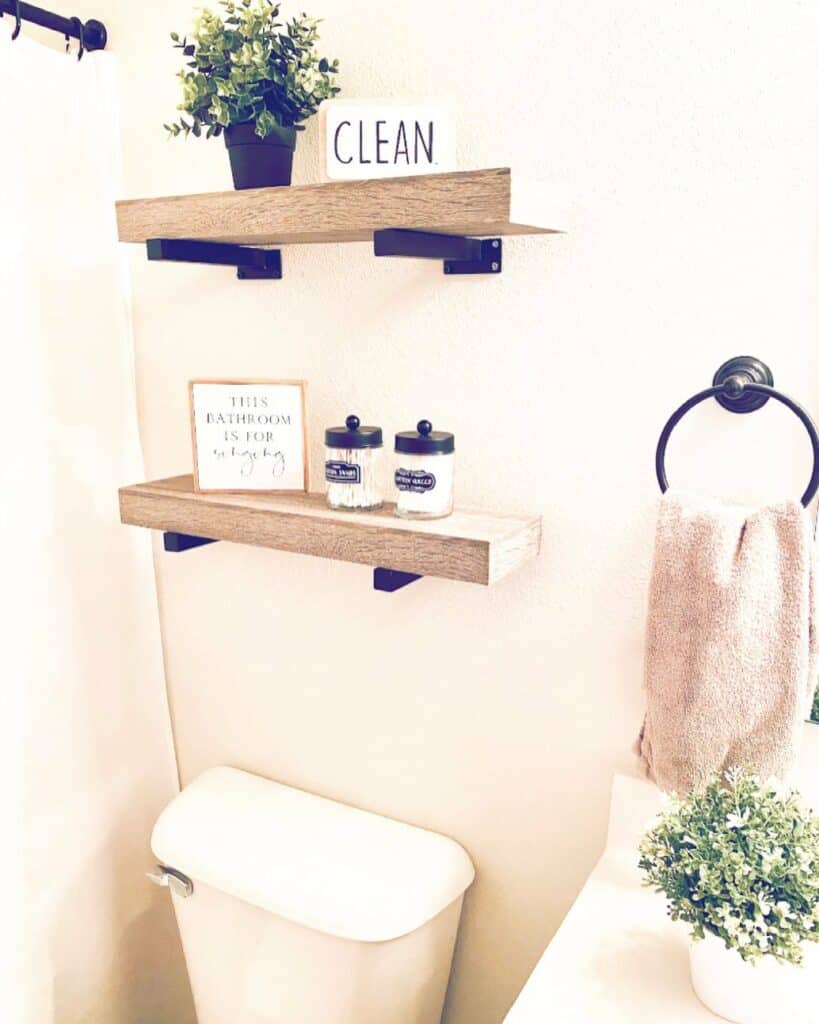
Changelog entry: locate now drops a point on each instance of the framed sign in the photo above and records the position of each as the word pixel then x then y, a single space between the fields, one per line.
pixel 249 435
pixel 385 139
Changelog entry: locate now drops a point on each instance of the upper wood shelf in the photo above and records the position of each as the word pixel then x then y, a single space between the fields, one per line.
pixel 484 202
pixel 474 547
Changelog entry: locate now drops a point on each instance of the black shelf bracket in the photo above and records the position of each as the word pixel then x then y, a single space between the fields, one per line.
pixel 390 580
pixel 461 254
pixel 176 542
pixel 252 264
pixel 386 580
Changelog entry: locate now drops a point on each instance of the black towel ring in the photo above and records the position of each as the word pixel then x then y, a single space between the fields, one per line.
pixel 743 384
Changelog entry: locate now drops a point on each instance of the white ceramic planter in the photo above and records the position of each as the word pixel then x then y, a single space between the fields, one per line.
pixel 767 992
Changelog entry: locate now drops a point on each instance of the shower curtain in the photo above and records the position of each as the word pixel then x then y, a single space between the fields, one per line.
pixel 86 750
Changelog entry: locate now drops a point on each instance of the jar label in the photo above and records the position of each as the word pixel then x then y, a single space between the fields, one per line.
pixel 342 473
pixel 416 480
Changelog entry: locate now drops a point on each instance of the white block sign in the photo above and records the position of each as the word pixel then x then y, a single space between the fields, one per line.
pixel 249 435
pixel 380 139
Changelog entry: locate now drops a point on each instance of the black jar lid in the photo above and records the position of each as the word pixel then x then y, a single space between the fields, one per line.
pixel 353 435
pixel 424 440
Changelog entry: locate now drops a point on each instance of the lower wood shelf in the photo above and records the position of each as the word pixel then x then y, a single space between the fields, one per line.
pixel 470 546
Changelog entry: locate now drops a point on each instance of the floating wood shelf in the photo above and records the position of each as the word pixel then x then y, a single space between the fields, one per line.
pixel 470 546
pixel 480 203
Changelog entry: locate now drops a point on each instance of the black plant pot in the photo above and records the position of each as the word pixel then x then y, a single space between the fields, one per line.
pixel 259 163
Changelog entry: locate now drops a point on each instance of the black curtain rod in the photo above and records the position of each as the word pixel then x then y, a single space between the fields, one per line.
pixel 94 35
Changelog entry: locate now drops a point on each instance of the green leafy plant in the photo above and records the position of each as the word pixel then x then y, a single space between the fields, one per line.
pixel 814 715
pixel 740 860
pixel 245 66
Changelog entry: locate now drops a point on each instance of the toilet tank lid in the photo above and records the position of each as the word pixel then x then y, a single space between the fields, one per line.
pixel 322 864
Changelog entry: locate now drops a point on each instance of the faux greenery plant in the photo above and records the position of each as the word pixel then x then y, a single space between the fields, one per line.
pixel 739 859
pixel 245 66
pixel 814 715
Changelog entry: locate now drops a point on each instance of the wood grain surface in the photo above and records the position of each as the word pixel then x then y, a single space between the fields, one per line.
pixel 484 202
pixel 471 546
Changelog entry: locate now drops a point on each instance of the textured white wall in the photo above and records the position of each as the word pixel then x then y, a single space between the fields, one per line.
pixel 688 135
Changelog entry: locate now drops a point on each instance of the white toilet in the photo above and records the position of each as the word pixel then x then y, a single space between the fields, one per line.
pixel 294 909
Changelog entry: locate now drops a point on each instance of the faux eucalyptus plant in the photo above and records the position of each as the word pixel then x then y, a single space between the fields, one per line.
pixel 245 66
pixel 739 859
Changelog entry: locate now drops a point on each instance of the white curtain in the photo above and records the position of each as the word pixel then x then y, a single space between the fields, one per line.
pixel 86 755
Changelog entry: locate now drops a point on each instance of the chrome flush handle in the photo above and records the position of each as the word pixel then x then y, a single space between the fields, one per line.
pixel 179 884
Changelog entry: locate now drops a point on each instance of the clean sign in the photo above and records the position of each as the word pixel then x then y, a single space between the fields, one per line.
pixel 379 139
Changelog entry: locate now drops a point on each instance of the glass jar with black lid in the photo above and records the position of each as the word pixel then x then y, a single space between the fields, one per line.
pixel 424 472
pixel 353 465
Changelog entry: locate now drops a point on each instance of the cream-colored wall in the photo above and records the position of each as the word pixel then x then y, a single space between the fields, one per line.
pixel 687 132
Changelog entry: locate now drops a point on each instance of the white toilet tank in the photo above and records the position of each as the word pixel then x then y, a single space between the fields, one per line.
pixel 307 911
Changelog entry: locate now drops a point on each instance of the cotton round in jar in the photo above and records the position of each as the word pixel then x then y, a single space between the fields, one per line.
pixel 424 472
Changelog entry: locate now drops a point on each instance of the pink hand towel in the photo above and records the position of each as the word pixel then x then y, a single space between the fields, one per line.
pixel 730 665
